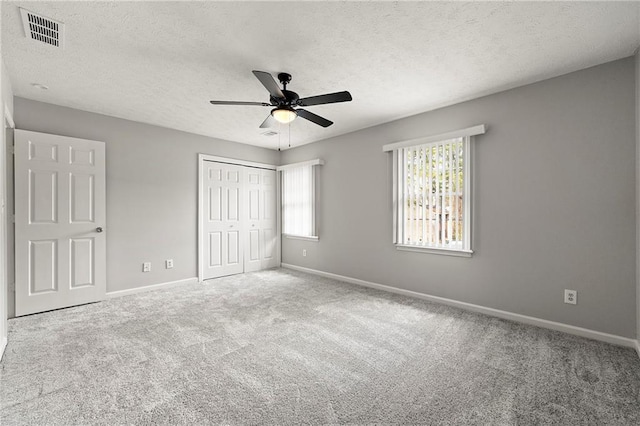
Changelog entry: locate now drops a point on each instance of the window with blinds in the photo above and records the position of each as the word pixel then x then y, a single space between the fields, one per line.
pixel 433 202
pixel 298 201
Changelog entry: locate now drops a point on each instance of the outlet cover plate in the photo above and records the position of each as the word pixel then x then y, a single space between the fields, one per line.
pixel 570 297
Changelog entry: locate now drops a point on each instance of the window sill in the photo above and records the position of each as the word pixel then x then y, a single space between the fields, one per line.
pixel 432 250
pixel 300 237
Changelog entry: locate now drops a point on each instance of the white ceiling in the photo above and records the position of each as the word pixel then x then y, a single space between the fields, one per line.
pixel 160 63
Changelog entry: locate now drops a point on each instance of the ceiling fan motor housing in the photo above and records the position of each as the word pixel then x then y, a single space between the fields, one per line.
pixel 290 98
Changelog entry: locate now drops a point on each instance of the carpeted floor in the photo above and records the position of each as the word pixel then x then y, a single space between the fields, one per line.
pixel 282 347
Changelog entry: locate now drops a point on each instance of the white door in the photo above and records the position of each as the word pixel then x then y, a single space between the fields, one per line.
pixel 253 213
pixel 261 248
pixel 222 222
pixel 262 233
pixel 59 221
pixel 271 242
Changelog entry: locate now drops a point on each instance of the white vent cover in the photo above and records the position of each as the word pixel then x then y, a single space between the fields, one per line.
pixel 42 29
pixel 269 133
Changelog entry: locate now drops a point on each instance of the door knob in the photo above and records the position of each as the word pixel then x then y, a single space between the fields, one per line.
pixel 99 229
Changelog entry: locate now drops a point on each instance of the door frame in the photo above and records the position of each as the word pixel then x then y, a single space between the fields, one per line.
pixel 236 162
pixel 7 123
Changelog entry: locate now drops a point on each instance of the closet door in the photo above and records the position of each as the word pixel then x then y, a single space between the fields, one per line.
pixel 269 224
pixel 253 252
pixel 261 248
pixel 223 220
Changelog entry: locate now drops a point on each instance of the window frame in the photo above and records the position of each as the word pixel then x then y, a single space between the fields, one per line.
pixel 398 190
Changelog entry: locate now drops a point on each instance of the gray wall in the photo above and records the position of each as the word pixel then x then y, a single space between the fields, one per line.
pixel 554 202
pixel 152 176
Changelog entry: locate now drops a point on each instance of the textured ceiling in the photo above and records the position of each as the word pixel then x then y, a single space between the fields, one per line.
pixel 160 63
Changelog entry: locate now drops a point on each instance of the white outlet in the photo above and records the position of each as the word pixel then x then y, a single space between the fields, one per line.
pixel 304 253
pixel 146 267
pixel 168 263
pixel 570 297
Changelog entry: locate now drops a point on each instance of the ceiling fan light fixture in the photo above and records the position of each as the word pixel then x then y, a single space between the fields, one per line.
pixel 284 115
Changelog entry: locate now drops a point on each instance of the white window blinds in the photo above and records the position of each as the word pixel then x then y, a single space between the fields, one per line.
pixel 298 200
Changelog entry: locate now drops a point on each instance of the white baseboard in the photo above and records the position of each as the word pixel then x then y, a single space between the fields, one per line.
pixel 119 293
pixel 578 331
pixel 3 346
pixel 638 347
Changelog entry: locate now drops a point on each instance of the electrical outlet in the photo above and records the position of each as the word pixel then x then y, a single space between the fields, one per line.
pixel 146 267
pixel 304 253
pixel 168 263
pixel 570 297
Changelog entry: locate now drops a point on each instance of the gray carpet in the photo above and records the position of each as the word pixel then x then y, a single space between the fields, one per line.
pixel 282 347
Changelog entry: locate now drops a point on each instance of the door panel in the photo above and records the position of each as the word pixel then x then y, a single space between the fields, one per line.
pixel 81 262
pixel 215 204
pixel 269 238
pixel 254 244
pixel 215 249
pixel 43 277
pixel 82 157
pixel 42 151
pixel 82 196
pixel 233 248
pixel 43 187
pixel 59 202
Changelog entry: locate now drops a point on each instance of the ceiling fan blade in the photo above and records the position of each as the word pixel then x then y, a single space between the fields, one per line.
pixel 239 103
pixel 268 122
pixel 269 83
pixel 314 118
pixel 329 98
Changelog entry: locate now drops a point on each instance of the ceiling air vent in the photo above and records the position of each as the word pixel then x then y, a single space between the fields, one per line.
pixel 269 133
pixel 42 29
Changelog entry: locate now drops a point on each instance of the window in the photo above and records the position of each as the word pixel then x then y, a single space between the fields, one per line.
pixel 432 193
pixel 298 199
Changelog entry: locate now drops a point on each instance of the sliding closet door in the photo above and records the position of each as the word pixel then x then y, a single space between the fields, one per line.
pixel 223 221
pixel 261 248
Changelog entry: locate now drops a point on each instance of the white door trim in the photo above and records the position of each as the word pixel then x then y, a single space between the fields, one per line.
pixel 9 118
pixel 206 157
pixel 7 123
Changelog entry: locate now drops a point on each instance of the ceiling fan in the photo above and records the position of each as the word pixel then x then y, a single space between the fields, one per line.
pixel 285 101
